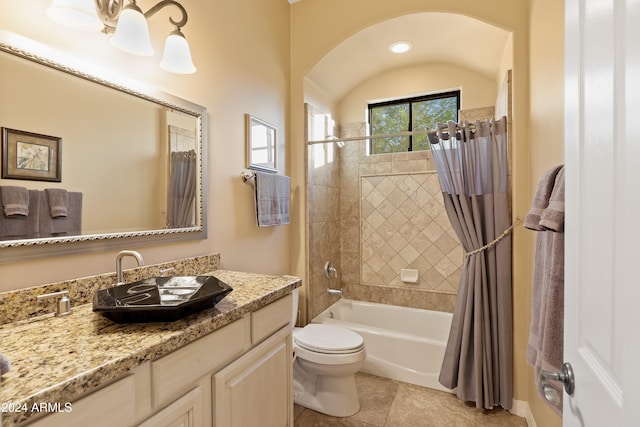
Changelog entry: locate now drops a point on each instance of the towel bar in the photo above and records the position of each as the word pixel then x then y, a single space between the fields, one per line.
pixel 246 176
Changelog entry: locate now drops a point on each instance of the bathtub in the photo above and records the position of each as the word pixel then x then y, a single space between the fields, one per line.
pixel 404 344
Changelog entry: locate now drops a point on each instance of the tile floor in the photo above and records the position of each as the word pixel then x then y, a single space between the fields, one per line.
pixel 389 403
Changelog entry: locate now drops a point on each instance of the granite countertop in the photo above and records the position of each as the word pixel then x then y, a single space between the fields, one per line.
pixel 58 359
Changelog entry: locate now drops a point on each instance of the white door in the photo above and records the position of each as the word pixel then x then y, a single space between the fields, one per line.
pixel 602 246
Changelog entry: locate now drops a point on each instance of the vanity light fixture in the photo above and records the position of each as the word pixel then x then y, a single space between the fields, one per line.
pixel 130 28
pixel 400 46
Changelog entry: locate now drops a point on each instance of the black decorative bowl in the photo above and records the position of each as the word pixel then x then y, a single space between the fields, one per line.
pixel 159 299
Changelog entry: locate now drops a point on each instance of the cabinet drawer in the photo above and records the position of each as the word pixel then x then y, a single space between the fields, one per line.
pixel 175 373
pixel 270 318
pixel 113 405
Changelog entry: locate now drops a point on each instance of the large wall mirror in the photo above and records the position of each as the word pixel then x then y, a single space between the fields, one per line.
pixel 137 158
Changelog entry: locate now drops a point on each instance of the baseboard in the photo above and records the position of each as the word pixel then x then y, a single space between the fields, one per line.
pixel 521 409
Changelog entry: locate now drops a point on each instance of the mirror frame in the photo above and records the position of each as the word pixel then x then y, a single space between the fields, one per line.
pixel 250 123
pixel 25 249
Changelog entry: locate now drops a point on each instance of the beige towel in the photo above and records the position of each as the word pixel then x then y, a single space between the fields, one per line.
pixel 545 345
pixel 58 202
pixel 541 199
pixel 15 200
pixel 272 199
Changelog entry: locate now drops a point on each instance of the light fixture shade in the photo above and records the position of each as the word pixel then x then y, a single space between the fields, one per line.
pixel 177 55
pixel 75 14
pixel 132 32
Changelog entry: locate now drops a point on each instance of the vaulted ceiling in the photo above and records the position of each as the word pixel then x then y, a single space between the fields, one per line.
pixel 436 38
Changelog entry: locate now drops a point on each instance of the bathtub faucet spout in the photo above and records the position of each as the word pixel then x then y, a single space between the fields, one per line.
pixel 334 291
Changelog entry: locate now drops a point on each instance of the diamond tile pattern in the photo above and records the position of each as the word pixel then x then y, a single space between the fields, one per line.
pixel 404 225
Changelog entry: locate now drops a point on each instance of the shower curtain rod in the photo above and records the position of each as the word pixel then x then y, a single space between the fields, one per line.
pixel 388 135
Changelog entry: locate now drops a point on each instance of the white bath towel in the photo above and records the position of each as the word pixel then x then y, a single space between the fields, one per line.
pixel 272 199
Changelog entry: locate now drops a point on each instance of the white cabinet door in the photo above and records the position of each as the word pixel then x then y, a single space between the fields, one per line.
pixel 256 389
pixel 602 150
pixel 184 412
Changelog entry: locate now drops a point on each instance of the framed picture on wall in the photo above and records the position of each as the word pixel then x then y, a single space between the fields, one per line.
pixel 27 155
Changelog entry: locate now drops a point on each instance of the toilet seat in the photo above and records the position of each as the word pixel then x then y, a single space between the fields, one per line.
pixel 328 339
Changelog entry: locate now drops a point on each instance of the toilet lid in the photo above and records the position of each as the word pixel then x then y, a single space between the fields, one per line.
pixel 328 339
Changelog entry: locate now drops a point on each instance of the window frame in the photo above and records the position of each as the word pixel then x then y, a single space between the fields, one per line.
pixel 410 101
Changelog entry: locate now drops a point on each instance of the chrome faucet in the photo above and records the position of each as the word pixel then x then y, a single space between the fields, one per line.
pixel 330 270
pixel 123 254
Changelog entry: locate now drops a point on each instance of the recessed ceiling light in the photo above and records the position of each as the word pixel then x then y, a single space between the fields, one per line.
pixel 400 47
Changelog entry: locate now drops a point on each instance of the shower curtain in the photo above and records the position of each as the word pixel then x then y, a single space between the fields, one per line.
pixel 182 189
pixel 472 170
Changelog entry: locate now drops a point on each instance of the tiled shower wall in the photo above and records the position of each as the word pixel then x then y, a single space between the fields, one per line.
pixel 374 215
pixel 392 217
pixel 323 224
pixel 404 226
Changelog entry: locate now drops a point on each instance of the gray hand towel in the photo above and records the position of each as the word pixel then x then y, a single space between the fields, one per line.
pixel 552 218
pixel 541 199
pixel 63 225
pixel 5 366
pixel 58 202
pixel 22 227
pixel 15 200
pixel 272 199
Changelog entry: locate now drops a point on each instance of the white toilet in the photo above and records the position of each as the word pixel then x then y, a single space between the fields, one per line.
pixel 326 357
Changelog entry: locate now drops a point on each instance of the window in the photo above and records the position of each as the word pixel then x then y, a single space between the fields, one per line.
pixel 410 114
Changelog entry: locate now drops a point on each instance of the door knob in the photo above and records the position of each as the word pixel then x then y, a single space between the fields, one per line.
pixel 566 377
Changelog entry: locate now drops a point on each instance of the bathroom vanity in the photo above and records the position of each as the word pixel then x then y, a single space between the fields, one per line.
pixel 226 366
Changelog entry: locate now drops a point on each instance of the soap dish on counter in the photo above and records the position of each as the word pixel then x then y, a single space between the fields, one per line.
pixel 159 299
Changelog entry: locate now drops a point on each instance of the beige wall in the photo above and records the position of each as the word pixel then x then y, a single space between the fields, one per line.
pixel 506 61
pixel 241 50
pixel 547 130
pixel 476 89
pixel 316 97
